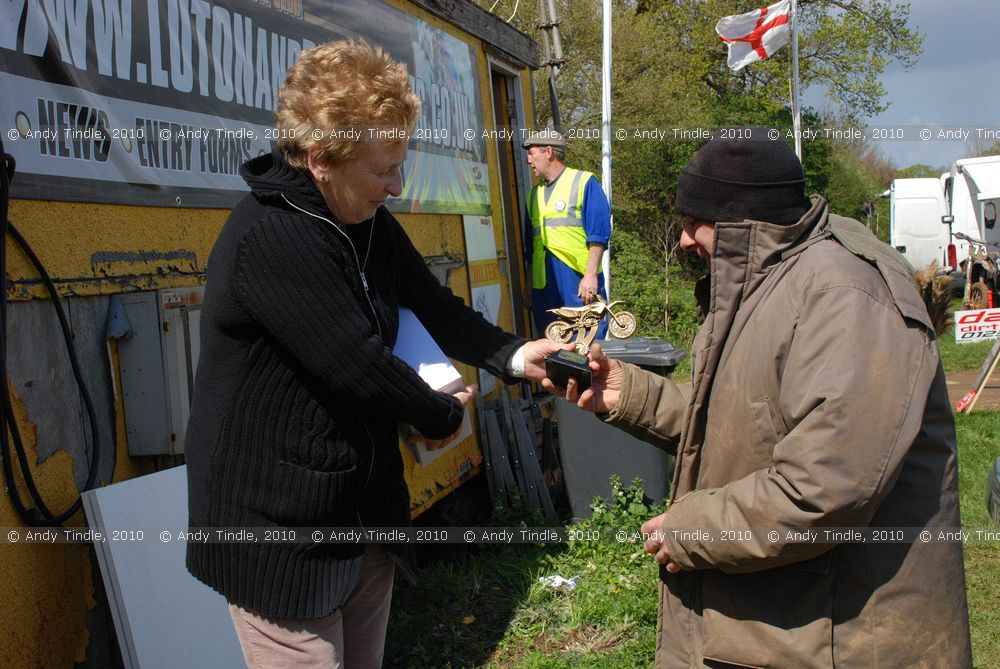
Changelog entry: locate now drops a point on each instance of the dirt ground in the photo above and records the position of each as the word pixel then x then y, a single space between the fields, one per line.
pixel 960 383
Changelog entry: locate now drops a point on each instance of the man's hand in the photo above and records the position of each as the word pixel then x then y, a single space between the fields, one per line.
pixel 535 353
pixel 463 396
pixel 653 530
pixel 605 384
pixel 587 290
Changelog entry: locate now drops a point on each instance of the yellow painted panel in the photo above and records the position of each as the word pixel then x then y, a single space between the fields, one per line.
pixel 97 249
pixel 47 589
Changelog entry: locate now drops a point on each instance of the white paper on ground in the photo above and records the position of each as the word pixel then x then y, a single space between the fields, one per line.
pixel 558 582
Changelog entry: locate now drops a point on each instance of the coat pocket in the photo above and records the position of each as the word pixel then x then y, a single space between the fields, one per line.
pixel 306 497
pixel 319 441
pixel 769 431
pixel 780 617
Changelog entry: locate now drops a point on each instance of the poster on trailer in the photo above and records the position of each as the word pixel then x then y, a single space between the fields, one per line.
pixel 158 102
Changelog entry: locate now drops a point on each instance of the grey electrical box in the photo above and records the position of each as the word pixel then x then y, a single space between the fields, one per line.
pixel 158 362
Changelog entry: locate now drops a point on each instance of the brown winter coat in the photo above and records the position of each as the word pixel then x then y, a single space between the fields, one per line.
pixel 817 401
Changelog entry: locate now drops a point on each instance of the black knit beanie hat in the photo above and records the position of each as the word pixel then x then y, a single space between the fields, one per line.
pixel 749 177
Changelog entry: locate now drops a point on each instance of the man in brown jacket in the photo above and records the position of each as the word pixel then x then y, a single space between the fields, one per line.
pixel 817 401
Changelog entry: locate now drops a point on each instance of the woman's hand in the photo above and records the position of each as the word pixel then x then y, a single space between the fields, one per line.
pixel 463 396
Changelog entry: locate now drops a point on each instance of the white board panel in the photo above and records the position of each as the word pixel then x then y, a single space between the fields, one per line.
pixel 164 616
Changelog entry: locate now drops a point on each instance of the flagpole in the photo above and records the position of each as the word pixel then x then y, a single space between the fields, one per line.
pixel 606 129
pixel 796 115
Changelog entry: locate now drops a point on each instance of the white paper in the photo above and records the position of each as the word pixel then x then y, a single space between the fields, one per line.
pixel 416 347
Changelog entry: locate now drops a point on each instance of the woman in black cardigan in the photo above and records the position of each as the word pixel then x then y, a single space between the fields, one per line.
pixel 298 394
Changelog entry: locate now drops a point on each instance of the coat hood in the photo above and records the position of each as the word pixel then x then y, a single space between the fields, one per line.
pixel 270 176
pixel 745 250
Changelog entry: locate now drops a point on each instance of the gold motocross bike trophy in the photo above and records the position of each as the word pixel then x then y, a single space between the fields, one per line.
pixel 583 322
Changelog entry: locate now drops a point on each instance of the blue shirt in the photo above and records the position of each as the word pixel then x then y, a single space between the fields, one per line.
pixel 561 280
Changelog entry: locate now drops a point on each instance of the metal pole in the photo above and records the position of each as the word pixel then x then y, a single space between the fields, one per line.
pixel 556 38
pixel 606 129
pixel 543 23
pixel 796 116
pixel 553 55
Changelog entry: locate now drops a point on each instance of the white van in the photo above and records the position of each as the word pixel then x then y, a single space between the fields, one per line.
pixel 916 207
pixel 972 194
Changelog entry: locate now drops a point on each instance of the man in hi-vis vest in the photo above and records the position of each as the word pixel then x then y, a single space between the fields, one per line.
pixel 569 224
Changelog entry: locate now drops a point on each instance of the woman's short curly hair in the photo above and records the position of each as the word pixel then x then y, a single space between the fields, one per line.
pixel 338 86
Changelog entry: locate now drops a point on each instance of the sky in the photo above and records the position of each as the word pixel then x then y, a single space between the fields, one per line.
pixel 954 86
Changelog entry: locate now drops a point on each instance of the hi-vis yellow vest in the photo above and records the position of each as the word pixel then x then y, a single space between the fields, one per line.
pixel 557 225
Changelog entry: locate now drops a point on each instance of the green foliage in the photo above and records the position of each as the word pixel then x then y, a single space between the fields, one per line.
pixel 643 292
pixel 981 148
pixel 670 73
pixel 842 46
pixel 609 620
pixel 847 46
pixel 851 185
pixel 817 158
pixel 626 509
pixel 519 513
pixel 919 171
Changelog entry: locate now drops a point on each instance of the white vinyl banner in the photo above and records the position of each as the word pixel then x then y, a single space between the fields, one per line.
pixel 159 102
pixel 976 325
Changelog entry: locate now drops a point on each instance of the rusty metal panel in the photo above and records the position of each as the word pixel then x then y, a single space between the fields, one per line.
pixel 40 372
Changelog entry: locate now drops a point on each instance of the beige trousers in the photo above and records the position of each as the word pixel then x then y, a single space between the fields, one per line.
pixel 352 637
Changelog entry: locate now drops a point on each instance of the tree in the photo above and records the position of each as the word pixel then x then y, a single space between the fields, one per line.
pixel 670 74
pixel 855 187
pixel 843 45
pixel 980 148
pixel 919 171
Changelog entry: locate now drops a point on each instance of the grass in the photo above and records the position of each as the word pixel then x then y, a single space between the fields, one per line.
pixel 488 609
pixel 960 357
pixel 491 611
pixel 610 619
pixel 458 612
pixel 978 448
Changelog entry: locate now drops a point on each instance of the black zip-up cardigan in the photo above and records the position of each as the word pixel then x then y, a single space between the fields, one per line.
pixel 297 394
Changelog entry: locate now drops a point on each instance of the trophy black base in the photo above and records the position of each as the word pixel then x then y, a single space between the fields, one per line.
pixel 563 365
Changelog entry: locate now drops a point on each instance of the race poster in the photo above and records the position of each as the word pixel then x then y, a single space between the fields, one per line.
pixel 485 277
